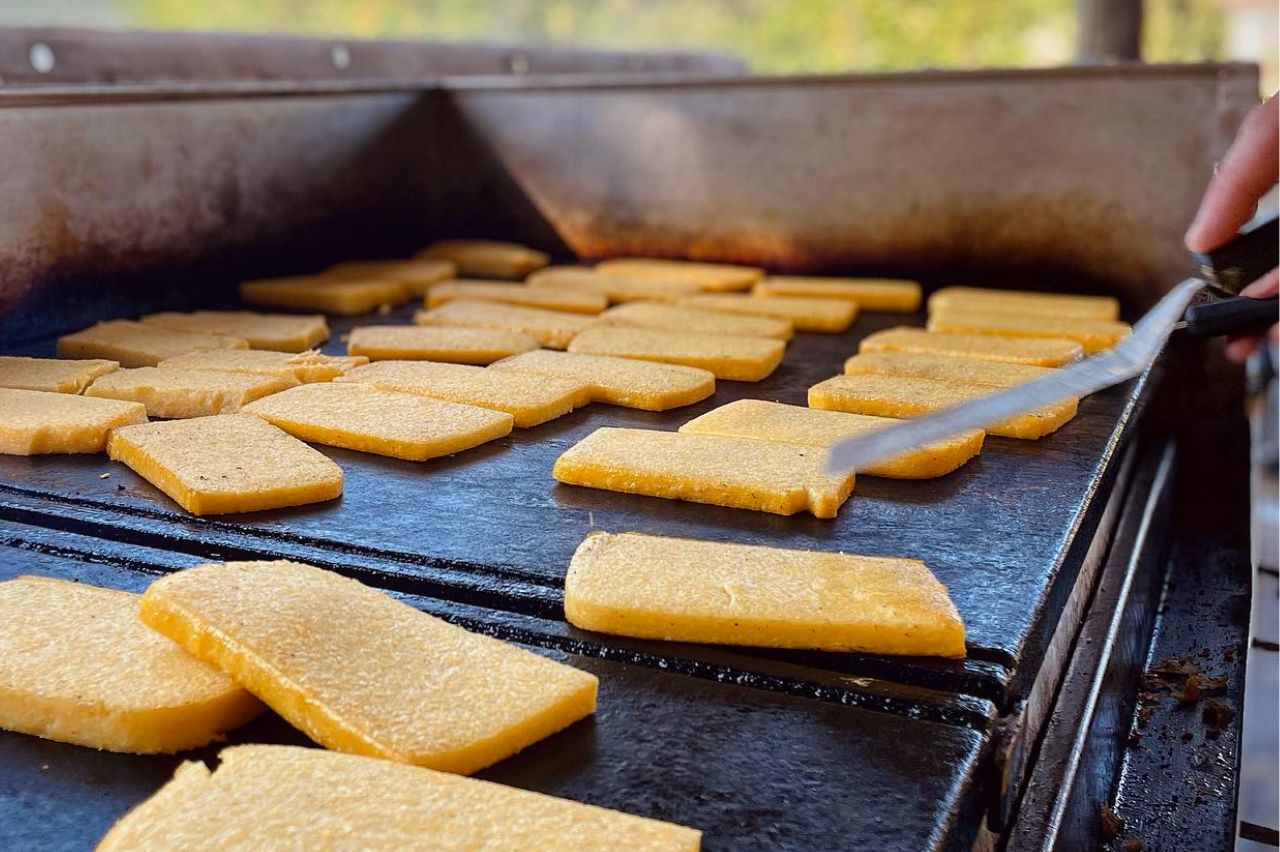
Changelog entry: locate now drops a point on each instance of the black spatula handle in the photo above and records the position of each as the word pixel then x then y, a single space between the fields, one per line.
pixel 1238 315
pixel 1248 257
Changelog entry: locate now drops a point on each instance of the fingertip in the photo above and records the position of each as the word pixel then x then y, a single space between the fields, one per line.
pixel 1265 287
pixel 1239 349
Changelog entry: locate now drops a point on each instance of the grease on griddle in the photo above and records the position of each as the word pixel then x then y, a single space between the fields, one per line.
pixel 1112 824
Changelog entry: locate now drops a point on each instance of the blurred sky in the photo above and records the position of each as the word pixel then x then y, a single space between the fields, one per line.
pixel 773 35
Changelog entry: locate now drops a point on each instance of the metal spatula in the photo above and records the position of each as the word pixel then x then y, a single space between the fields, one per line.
pixel 1225 270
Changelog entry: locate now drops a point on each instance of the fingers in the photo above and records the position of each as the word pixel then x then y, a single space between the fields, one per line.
pixel 1239 349
pixel 1265 287
pixel 1247 171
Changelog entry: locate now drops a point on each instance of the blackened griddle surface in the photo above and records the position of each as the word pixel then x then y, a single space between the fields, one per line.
pixel 1004 533
pixel 750 768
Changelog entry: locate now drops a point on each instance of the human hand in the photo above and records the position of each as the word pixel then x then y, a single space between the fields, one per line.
pixel 1249 169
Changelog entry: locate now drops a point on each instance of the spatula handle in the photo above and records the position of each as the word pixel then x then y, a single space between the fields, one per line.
pixel 1248 257
pixel 1238 315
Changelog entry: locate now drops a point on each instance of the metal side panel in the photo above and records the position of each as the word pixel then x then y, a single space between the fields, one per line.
pixel 113 199
pixel 750 767
pixel 1040 177
pixel 68 55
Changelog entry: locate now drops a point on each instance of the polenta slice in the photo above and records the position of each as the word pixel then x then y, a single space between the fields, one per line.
pixel 1039 352
pixel 530 400
pixel 487 258
pixel 573 301
pixel 282 332
pixel 946 368
pixel 553 329
pixel 307 798
pixel 416 276
pixel 1025 302
pixel 615 288
pixel 794 424
pixel 806 313
pixel 436 343
pixel 36 422
pixel 1093 335
pixel 743 359
pixel 361 672
pixel 303 367
pixel 647 385
pixel 54 375
pixel 136 344
pixel 328 295
pixel 681 318
pixel 905 396
pixel 871 294
pixel 707 276
pixel 77 666
pixel 226 463
pixel 175 392
pixel 386 423
pixel 743 473
pixel 682 590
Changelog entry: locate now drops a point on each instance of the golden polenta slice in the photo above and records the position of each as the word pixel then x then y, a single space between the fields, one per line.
pixel 487 258
pixel 343 296
pixel 136 344
pixel 77 666
pixel 361 672
pixel 947 368
pixel 906 396
pixel 990 300
pixel 573 301
pixel 615 288
pixel 530 400
pixel 436 343
pixel 283 332
pixel 310 366
pixel 744 473
pixel 386 423
pixel 683 590
pixel 871 294
pixel 51 374
pixel 647 385
pixel 707 276
pixel 226 463
pixel 1093 335
pixel 553 329
pixel 806 313
pixel 416 276
pixel 795 424
pixel 35 422
pixel 1039 352
pixel 317 799
pixel 682 318
pixel 176 392
pixel 743 359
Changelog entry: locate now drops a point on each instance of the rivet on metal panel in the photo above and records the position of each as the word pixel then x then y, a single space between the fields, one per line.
pixel 518 63
pixel 341 56
pixel 41 57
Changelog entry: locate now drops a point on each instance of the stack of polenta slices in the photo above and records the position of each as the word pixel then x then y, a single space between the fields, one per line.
pixel 768 456
pixel 977 341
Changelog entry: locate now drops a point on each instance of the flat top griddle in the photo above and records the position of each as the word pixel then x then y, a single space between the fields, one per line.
pixel 750 768
pixel 1006 533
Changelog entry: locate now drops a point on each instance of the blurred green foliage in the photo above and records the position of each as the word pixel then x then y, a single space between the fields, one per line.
pixel 775 36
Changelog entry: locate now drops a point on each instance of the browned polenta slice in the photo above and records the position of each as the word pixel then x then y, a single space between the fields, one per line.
pixel 682 590
pixel 77 666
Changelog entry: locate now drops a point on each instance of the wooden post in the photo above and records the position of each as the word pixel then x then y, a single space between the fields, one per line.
pixel 1110 30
